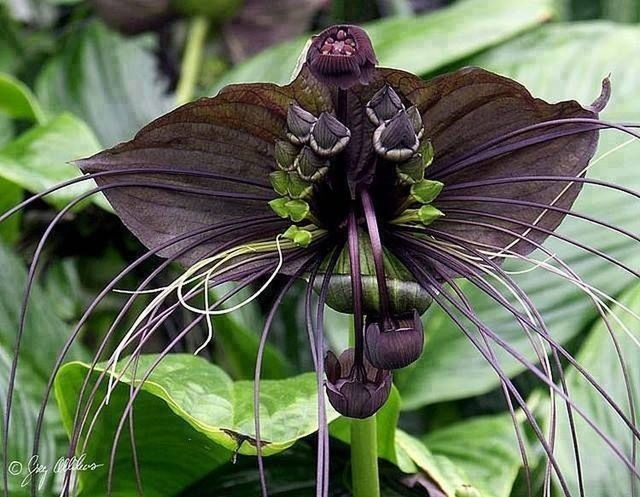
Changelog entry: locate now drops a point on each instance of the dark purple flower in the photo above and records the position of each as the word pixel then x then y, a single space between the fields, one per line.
pixel 376 188
pixel 343 56
pixel 394 343
pixel 356 391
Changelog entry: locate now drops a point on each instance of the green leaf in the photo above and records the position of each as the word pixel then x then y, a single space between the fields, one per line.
pixel 486 449
pixel 39 158
pixel 448 35
pixel 110 82
pixel 44 336
pixel 44 333
pixel 604 475
pixel 414 456
pixel 10 195
pixel 237 336
pixel 25 406
pixel 213 404
pixel 556 62
pixel 17 101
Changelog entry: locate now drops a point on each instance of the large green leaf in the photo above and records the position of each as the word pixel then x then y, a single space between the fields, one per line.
pixel 604 474
pixel 44 336
pixel 16 100
pixel 10 195
pixel 39 158
pixel 419 44
pixel 204 396
pixel 110 82
pixel 44 332
pixel 556 62
pixel 486 449
pixel 25 405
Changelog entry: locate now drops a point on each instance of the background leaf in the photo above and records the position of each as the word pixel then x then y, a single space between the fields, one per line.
pixel 486 449
pixel 604 474
pixel 110 82
pixel 40 158
pixel 580 56
pixel 468 26
pixel 17 100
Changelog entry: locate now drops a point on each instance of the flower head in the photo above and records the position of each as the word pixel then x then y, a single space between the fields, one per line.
pixel 342 56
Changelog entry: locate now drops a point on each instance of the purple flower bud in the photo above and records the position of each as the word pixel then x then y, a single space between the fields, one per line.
pixel 342 55
pixel 328 136
pixel 395 344
pixel 355 391
pixel 384 105
pixel 396 140
pixel 299 122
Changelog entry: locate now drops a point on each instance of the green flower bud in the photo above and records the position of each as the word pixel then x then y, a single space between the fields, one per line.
pixel 299 187
pixel 309 166
pixel 427 153
pixel 299 236
pixel 297 210
pixel 426 191
pixel 280 182
pixel 411 171
pixel 279 206
pixel 286 154
pixel 427 214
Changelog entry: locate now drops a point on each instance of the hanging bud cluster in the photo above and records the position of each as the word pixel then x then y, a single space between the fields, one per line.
pixel 303 161
pixel 398 138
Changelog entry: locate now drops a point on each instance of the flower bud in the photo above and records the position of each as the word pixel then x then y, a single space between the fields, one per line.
pixel 286 154
pixel 416 121
pixel 384 105
pixel 396 139
pixel 395 344
pixel 355 391
pixel 309 166
pixel 299 122
pixel 343 56
pixel 328 136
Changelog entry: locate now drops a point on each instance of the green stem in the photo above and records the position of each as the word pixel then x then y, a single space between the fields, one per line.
pixel 192 59
pixel 364 458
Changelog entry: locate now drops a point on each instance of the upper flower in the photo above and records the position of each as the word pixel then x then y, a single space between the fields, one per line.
pixel 343 56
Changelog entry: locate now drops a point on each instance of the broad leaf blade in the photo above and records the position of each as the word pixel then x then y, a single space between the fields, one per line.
pixel 110 82
pixel 605 475
pixel 40 159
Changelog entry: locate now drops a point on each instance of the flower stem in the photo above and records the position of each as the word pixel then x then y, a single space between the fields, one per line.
pixel 364 458
pixel 192 59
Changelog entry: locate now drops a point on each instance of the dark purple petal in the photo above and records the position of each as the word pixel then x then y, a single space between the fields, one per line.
pixel 230 138
pixel 463 110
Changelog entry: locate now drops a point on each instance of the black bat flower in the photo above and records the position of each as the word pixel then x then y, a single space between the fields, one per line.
pixel 377 188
